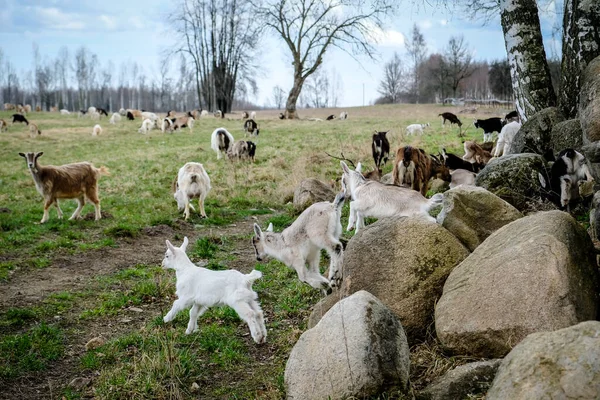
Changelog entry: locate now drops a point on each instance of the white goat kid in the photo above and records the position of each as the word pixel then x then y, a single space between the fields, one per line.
pixel 147 125
pixel 416 129
pixel 202 288
pixel 318 227
pixel 374 199
pixel 506 137
pixel 192 182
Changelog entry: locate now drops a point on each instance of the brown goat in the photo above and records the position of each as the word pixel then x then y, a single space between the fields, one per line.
pixel 70 181
pixel 34 130
pixel 3 126
pixel 414 167
pixel 475 154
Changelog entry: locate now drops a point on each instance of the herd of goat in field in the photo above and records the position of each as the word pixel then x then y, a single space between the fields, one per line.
pixel 319 226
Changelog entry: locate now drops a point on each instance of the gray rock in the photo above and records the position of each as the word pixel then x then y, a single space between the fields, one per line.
pixel 514 178
pixel 472 214
pixel 564 364
pixel 567 135
pixel 311 191
pixel 535 136
pixel 535 274
pixel 404 263
pixel 589 102
pixel 358 349
pixel 469 379
pixel 438 186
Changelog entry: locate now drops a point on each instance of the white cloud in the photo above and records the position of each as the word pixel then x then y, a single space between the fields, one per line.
pixel 425 24
pixel 53 18
pixel 136 22
pixel 388 38
pixel 444 22
pixel 109 22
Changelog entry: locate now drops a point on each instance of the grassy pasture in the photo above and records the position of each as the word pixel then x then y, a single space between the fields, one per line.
pixel 144 358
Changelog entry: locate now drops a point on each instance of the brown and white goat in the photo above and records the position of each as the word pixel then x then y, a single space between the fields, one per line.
pixel 70 181
pixel 182 122
pixel 34 130
pixel 414 168
pixel 475 154
pixel 3 126
pixel 221 141
pixel 242 150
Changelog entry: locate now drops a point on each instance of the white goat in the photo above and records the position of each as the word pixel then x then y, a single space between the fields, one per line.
pixel 506 137
pixel 64 112
pixel 374 199
pixel 192 182
pixel 97 130
pixel 116 117
pixel 462 177
pixel 71 181
pixel 203 113
pixel 343 115
pixel 149 115
pixel 147 125
pixel 94 115
pixel 91 110
pixel 202 288
pixel 122 112
pixel 221 141
pixel 318 227
pixel 416 128
pixel 253 115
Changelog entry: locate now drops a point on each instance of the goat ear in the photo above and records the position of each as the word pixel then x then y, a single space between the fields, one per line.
pixel 38 155
pixel 23 155
pixel 257 231
pixel 185 243
pixel 170 246
pixel 345 167
pixel 359 167
pixel 270 228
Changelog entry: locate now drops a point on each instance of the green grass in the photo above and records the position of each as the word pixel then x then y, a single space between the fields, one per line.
pixel 32 351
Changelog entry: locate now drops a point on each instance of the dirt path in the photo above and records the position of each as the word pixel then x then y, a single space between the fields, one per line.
pixel 76 272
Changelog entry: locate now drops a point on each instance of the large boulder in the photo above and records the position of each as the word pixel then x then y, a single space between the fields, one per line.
pixel 357 350
pixel 589 102
pixel 311 191
pixel 566 135
pixel 564 364
pixel 403 262
pixel 514 178
pixel 537 273
pixel 472 214
pixel 470 379
pixel 535 135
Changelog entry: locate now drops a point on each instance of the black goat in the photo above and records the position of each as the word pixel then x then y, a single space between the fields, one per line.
pixel 450 117
pixel 102 111
pixel 251 150
pixel 130 116
pixel 330 118
pixel 511 116
pixel 489 126
pixel 455 162
pixel 381 148
pixel 19 118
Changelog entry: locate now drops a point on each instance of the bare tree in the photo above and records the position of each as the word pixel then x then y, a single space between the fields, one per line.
pixel 416 48
pixel 394 80
pixel 122 84
pixel 62 71
pixel 581 44
pixel 278 96
pixel 220 38
pixel 336 88
pixel 165 83
pixel 310 27
pixel 317 89
pixel 458 59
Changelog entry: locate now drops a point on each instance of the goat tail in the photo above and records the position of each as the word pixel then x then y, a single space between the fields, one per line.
pixel 339 200
pixel 252 276
pixel 102 171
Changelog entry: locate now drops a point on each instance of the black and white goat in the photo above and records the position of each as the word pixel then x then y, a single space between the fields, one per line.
pixel 454 162
pixel 221 141
pixel 251 128
pixel 565 174
pixel 380 147
pixel 318 227
pixel 489 126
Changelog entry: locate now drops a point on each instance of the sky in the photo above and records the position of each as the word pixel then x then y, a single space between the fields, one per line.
pixel 136 30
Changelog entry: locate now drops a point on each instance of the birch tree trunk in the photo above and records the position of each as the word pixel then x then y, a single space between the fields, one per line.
pixel 581 44
pixel 529 70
